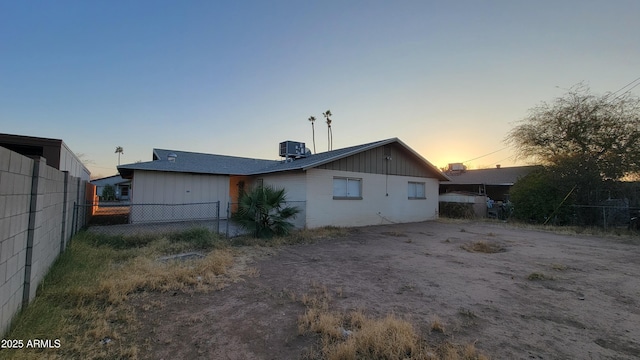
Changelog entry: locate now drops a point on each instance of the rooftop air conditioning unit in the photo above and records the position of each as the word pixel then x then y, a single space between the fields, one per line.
pixel 292 149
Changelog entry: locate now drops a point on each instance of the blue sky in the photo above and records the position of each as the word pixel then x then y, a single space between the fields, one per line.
pixel 450 79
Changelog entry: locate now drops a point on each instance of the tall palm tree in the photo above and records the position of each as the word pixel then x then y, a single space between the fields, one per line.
pixel 313 131
pixel 119 151
pixel 327 114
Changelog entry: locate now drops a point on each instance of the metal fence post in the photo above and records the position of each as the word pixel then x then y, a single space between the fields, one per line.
pixel 74 219
pixel 604 218
pixel 228 218
pixel 218 217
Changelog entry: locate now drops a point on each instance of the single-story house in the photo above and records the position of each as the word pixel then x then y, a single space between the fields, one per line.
pixel 380 182
pixel 493 182
pixel 121 186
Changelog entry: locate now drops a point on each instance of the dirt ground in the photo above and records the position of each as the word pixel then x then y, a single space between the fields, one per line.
pixel 546 296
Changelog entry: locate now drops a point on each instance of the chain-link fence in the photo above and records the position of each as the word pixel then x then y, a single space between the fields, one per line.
pixel 116 218
pixel 160 213
pixel 82 214
pixel 607 217
pixel 121 218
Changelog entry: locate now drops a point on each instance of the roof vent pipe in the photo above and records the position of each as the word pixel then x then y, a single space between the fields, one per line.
pixel 172 157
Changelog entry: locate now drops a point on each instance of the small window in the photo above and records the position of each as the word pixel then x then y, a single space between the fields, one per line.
pixel 347 188
pixel 416 190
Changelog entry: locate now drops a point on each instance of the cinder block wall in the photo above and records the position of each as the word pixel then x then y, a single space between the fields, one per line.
pixel 15 197
pixel 48 225
pixel 36 223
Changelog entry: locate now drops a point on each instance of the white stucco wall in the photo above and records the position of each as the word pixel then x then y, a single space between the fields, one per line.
pixel 155 187
pixel 376 207
pixel 295 186
pixel 293 182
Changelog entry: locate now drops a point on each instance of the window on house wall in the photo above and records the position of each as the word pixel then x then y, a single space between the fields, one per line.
pixel 347 188
pixel 259 183
pixel 416 190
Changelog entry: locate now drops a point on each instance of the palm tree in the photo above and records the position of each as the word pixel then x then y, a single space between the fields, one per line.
pixel 313 131
pixel 329 132
pixel 119 150
pixel 262 211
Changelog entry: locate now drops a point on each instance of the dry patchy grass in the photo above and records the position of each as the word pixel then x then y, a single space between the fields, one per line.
pixel 354 335
pixel 437 324
pixel 147 274
pixel 83 299
pixel 537 276
pixel 395 233
pixel 303 236
pixel 486 247
pixel 559 267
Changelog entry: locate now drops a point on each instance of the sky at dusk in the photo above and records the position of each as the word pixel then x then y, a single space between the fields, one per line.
pixel 450 79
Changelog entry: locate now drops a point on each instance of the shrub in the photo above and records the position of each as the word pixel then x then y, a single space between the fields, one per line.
pixel 262 211
pixel 456 210
pixel 536 196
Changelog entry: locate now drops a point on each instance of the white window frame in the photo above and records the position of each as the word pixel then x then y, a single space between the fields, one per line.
pixel 349 186
pixel 413 192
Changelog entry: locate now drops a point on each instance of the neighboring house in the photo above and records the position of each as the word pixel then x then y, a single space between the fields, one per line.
pixel 379 182
pixel 494 183
pixel 55 151
pixel 121 186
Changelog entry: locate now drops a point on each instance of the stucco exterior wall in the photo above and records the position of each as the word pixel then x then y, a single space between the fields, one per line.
pixel 155 187
pixel 293 182
pixel 296 191
pixel 384 200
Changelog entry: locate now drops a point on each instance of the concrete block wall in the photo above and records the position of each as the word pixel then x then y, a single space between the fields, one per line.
pixel 15 198
pixel 48 225
pixel 35 201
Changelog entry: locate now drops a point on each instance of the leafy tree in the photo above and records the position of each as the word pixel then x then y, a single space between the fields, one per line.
pixel 594 137
pixel 108 192
pixel 262 211
pixel 587 143
pixel 539 197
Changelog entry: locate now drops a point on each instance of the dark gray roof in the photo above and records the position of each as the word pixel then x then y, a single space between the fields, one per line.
pixel 493 176
pixel 113 179
pixel 200 163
